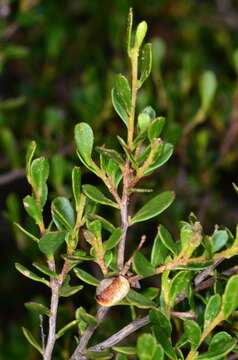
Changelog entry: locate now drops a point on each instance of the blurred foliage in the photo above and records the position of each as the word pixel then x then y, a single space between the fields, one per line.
pixel 57 65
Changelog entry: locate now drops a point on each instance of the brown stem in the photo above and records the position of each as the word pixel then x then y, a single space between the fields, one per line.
pixel 120 335
pixel 53 313
pixel 124 215
pixel 78 353
pixel 55 284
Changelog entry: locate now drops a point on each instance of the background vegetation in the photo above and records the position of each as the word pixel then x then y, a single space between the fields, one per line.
pixel 57 66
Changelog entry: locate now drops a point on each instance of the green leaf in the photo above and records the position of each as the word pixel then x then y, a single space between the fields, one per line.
pixel 29 156
pixel 123 89
pixel 62 214
pixel 167 239
pixel 193 333
pixel 143 121
pixel 153 207
pixel 207 88
pixel 28 335
pixel 68 290
pixel 220 345
pixel 161 159
pixel 96 195
pixel 50 242
pixel 67 327
pixel 159 318
pixel 150 292
pixel 96 228
pixel 88 318
pixel 119 106
pixel 212 309
pixel 159 252
pixel 129 31
pixel 121 357
pixel 142 266
pixel 219 239
pixel 39 176
pixel 146 63
pixel 139 300
pixel 230 297
pixel 105 223
pixel 159 353
pixel 84 140
pixel 163 339
pixel 24 271
pixel 86 277
pixel 127 350
pixel 105 355
pixel 196 266
pixel 140 33
pixel 146 347
pixel 33 209
pixel 37 308
pixel 155 128
pixel 113 240
pixel 30 235
pixel 45 270
pixel 179 283
pixel 110 154
pixel 76 184
pixel 127 152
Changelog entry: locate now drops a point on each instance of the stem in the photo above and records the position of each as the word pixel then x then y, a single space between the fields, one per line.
pixel 134 87
pixel 124 215
pixel 53 313
pixel 78 353
pixel 120 335
pixel 55 285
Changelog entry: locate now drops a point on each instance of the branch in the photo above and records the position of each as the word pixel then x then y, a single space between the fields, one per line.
pixel 203 274
pixel 78 353
pixel 124 215
pixel 53 313
pixel 121 334
pixel 12 176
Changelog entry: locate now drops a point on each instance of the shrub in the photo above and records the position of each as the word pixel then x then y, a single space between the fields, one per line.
pixel 189 312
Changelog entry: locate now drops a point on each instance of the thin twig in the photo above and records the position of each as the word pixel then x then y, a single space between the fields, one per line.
pixel 203 274
pixel 78 353
pixel 124 215
pixel 120 335
pixel 11 176
pixel 42 331
pixel 53 313
pixel 129 262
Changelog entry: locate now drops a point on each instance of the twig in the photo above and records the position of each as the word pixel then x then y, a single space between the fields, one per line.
pixel 12 176
pixel 183 315
pixel 42 331
pixel 203 274
pixel 78 353
pixel 124 215
pixel 53 313
pixel 120 335
pixel 128 263
pixel 131 328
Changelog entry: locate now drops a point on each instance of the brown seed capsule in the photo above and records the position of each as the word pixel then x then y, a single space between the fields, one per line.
pixel 111 291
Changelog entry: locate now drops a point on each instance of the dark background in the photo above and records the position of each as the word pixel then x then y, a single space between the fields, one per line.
pixel 57 66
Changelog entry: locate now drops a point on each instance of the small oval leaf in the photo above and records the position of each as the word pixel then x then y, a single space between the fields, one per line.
pixel 146 347
pixel 153 207
pixel 230 297
pixel 84 140
pixel 142 266
pixel 86 277
pixel 96 195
